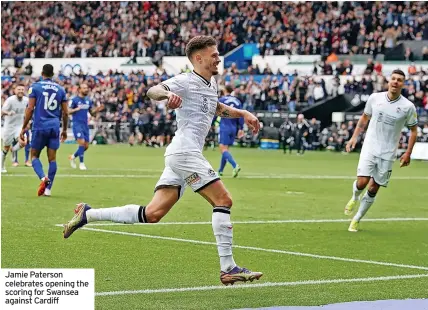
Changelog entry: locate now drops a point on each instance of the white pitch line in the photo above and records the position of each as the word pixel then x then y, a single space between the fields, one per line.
pixel 259 249
pixel 261 285
pixel 267 176
pixel 392 219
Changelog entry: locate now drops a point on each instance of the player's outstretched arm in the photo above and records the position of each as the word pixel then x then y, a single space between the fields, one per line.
pixel 229 112
pixel 405 159
pixel 361 126
pixel 158 93
pixel 94 111
pixel 64 107
pixel 28 116
pixel 6 108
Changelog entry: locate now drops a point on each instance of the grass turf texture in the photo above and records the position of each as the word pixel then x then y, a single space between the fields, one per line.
pixel 314 186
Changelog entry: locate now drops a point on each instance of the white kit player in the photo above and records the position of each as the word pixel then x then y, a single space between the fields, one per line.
pixel 194 95
pixel 388 113
pixel 13 111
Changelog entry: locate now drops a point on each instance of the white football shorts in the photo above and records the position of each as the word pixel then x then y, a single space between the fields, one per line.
pixel 9 135
pixel 377 168
pixel 183 170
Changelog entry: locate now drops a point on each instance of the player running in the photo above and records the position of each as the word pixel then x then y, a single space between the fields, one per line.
pixel 80 106
pixel 195 97
pixel 389 112
pixel 13 111
pixel 229 127
pixel 47 101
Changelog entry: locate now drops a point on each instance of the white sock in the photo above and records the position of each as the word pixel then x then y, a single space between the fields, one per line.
pixel 127 214
pixel 222 228
pixel 16 147
pixel 356 192
pixel 365 204
pixel 3 158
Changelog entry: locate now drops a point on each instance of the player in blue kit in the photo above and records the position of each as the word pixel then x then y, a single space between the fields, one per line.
pixel 80 106
pixel 47 104
pixel 229 127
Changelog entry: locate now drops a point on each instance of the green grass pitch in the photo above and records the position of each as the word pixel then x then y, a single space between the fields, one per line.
pixel 174 266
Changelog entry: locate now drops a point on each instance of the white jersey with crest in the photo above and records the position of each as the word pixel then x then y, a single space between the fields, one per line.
pixel 388 118
pixel 15 121
pixel 196 114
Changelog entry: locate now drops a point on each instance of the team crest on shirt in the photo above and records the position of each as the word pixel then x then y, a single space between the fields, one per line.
pixel 204 106
pixel 192 179
pixel 398 110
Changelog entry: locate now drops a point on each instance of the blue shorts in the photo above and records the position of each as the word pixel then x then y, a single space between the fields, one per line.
pixel 42 138
pixel 227 137
pixel 81 132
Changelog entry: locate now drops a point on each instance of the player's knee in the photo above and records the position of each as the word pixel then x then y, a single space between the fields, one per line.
pixel 373 188
pixel 362 183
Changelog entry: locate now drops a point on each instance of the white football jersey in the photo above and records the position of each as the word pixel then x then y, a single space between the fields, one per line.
pixel 194 118
pixel 16 120
pixel 388 118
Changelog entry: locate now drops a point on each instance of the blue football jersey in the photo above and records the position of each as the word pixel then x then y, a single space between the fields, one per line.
pixel 81 117
pixel 49 97
pixel 231 124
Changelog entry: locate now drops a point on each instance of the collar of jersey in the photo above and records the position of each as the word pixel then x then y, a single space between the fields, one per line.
pixel 203 79
pixel 392 101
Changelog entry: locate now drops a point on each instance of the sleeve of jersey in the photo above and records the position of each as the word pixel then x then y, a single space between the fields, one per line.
pixel 6 107
pixel 177 84
pixel 368 107
pixel 32 92
pixel 64 95
pixel 73 103
pixel 412 118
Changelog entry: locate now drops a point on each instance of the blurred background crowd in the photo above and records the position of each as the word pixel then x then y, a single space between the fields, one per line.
pixel 338 33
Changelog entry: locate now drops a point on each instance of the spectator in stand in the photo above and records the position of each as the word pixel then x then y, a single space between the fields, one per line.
pixel 84 29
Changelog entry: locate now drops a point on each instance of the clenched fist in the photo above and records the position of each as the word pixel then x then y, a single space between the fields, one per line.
pixel 174 101
pixel 252 122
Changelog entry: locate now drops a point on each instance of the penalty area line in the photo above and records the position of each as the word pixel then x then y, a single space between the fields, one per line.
pixel 336 258
pixel 391 219
pixel 261 285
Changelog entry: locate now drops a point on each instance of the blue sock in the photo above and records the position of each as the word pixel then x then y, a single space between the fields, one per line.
pixel 79 153
pixel 222 163
pixel 51 173
pixel 27 152
pixel 230 159
pixel 38 168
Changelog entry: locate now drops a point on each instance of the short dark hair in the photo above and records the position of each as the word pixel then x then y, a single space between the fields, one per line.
pixel 229 88
pixel 398 71
pixel 48 70
pixel 199 43
pixel 20 85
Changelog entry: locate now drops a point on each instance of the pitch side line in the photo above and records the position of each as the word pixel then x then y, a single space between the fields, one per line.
pixel 258 249
pixel 392 219
pixel 260 285
pixel 267 176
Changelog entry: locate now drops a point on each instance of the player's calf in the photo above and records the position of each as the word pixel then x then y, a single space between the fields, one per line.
pixel 357 188
pixel 163 200
pixel 3 158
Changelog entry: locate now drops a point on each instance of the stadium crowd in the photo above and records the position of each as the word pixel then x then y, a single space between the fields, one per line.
pixel 110 29
pixel 128 28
